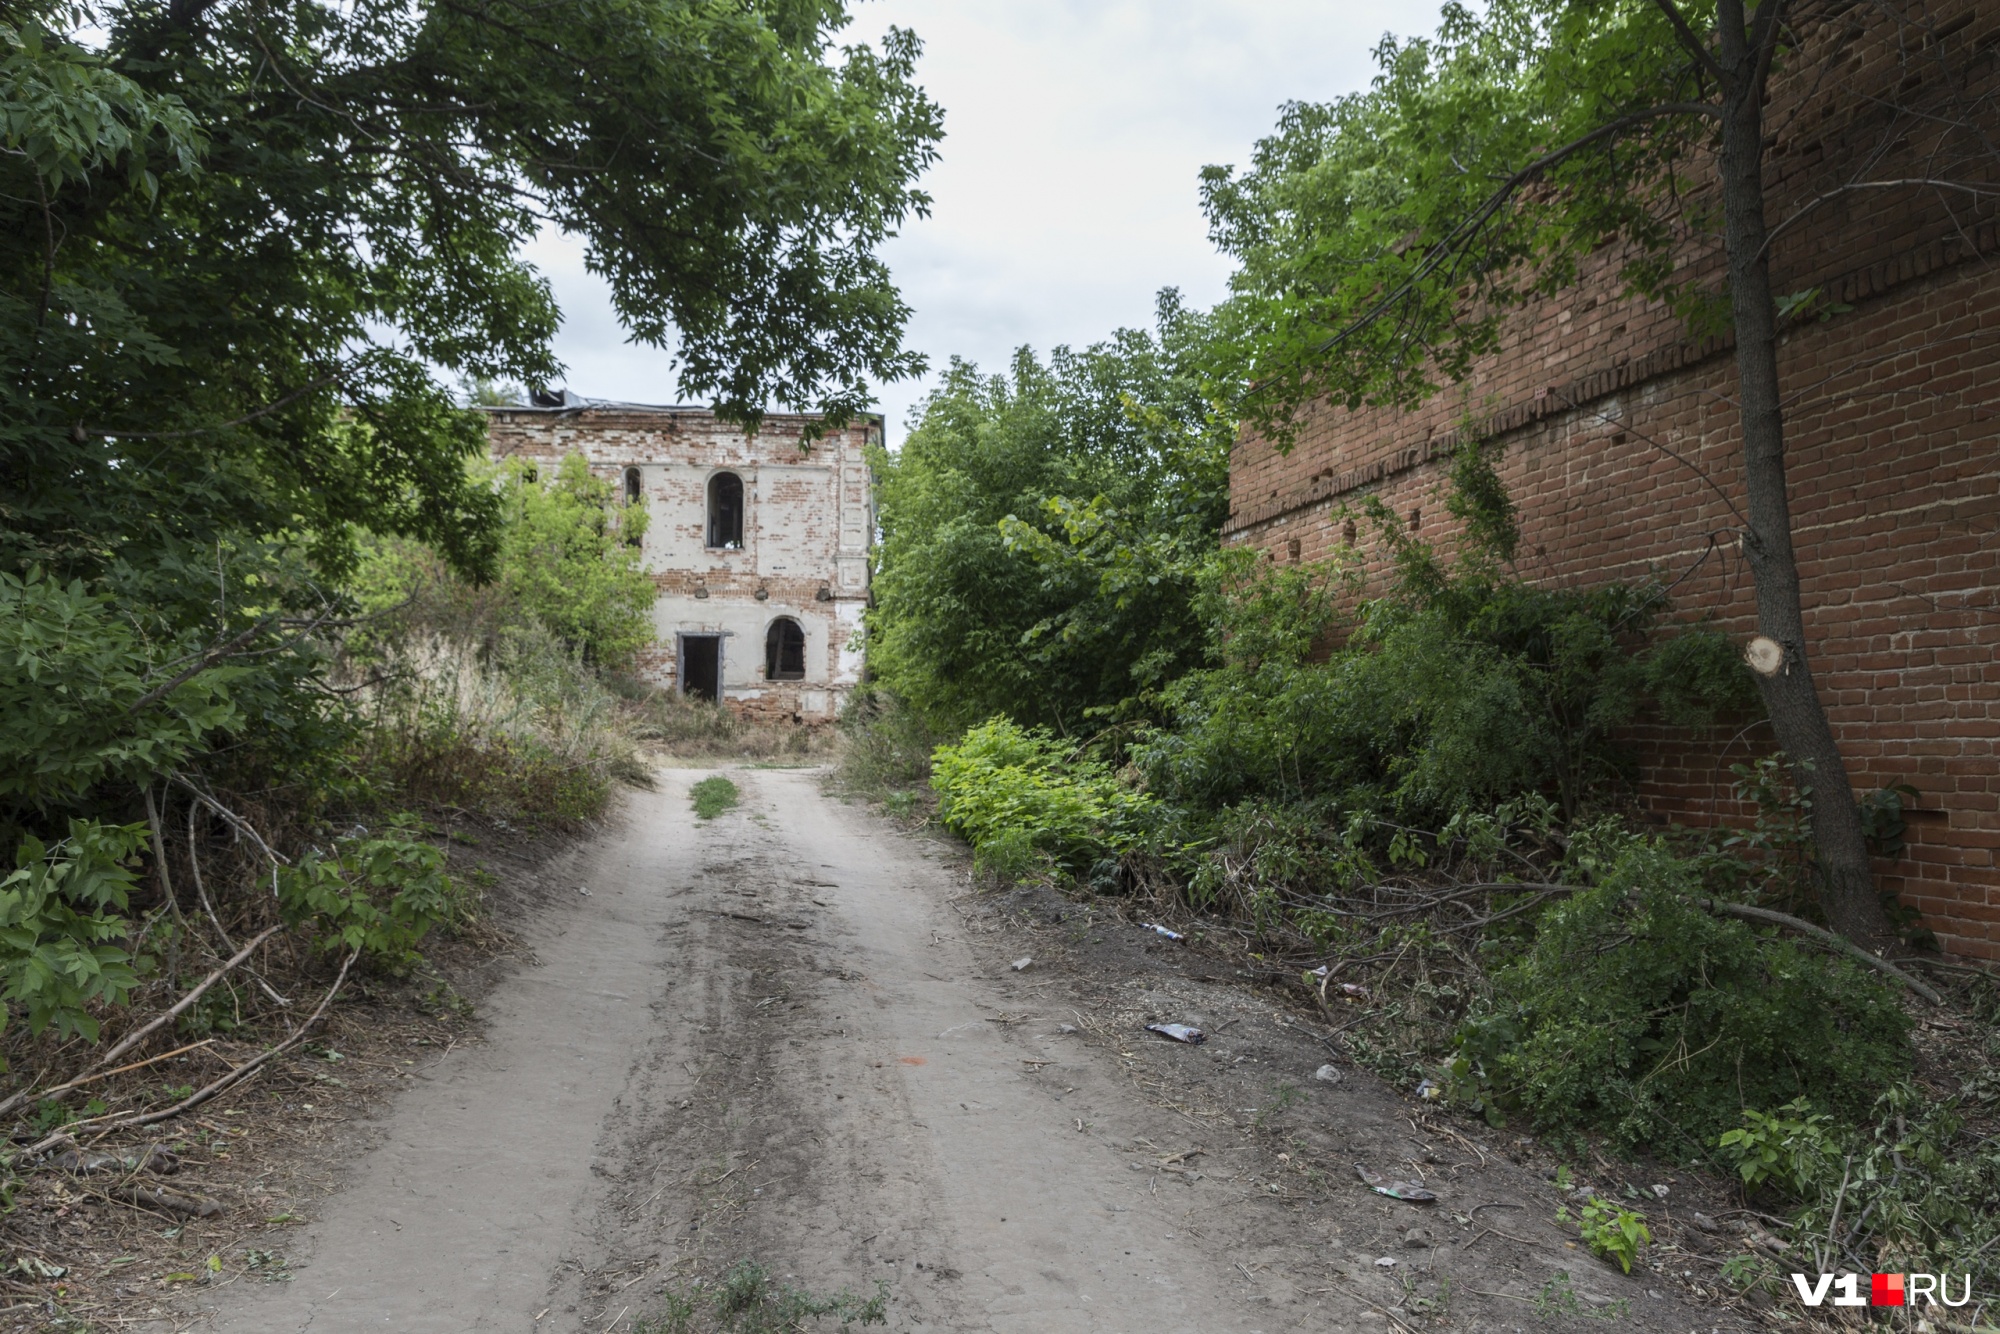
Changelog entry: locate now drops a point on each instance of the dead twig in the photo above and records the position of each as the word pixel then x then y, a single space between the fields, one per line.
pixel 146 1030
pixel 105 1125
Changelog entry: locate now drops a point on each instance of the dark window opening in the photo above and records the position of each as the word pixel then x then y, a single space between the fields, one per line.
pixel 631 526
pixel 725 511
pixel 701 666
pixel 785 651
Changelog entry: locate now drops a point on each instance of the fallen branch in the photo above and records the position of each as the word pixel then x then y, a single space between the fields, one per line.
pixel 146 1030
pixel 135 1065
pixel 106 1124
pixel 1825 937
pixel 167 1200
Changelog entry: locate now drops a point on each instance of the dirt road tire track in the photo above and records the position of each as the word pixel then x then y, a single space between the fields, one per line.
pixel 789 1036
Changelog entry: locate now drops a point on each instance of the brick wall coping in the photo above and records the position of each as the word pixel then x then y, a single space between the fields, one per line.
pixel 1856 285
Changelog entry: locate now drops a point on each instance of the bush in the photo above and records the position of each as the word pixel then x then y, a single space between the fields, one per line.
pixel 1015 794
pixel 1453 692
pixel 886 746
pixel 1636 1013
pixel 380 896
pixel 64 947
pixel 530 731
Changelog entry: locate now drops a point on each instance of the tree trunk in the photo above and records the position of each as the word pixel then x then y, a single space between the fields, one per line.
pixel 1797 716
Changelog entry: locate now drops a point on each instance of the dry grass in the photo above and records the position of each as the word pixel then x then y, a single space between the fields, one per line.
pixel 675 725
pixel 526 731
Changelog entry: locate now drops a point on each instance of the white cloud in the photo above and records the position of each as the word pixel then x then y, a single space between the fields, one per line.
pixel 1066 195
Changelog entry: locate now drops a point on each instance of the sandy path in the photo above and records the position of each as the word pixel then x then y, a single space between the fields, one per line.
pixel 779 1037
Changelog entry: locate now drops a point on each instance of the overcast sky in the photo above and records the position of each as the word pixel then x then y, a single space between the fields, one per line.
pixel 1066 194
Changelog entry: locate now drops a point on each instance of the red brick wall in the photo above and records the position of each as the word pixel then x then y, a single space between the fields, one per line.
pixel 1621 449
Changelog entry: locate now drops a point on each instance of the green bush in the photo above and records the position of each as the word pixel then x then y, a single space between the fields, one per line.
pixel 381 896
pixel 1636 1013
pixel 1012 792
pixel 1453 692
pixel 64 947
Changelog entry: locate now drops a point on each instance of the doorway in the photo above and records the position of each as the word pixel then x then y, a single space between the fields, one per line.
pixel 701 666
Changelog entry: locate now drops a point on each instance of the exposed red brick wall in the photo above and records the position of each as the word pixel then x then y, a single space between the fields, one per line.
pixel 1621 449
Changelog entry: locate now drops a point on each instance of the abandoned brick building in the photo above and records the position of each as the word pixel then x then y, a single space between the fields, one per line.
pixel 758 543
pixel 1622 452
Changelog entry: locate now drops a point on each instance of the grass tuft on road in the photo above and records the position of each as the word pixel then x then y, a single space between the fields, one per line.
pixel 747 1301
pixel 712 796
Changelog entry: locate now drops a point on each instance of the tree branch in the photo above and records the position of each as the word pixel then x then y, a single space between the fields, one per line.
pixel 1689 38
pixel 1464 232
pixel 1845 946
pixel 264 411
pixel 1964 187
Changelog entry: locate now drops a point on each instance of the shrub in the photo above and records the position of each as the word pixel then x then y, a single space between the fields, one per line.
pixel 1636 1013
pixel 530 731
pixel 886 746
pixel 1007 789
pixel 379 895
pixel 63 944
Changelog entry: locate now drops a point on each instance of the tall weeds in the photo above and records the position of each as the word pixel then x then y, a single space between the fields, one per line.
pixel 526 730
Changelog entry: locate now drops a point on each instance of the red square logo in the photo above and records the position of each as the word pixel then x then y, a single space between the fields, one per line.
pixel 1885 1290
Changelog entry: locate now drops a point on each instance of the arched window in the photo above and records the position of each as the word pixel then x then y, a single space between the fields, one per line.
pixel 631 486
pixel 785 651
pixel 725 511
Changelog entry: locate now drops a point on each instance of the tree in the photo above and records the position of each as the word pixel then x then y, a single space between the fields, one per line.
pixel 247 243
pixel 1041 532
pixel 1385 239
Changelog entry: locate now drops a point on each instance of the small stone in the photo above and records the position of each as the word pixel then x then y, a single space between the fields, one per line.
pixel 1022 964
pixel 1660 1192
pixel 1385 1262
pixel 1416 1239
pixel 1328 1074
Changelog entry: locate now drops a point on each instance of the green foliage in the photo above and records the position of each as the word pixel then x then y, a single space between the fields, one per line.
pixel 1042 532
pixel 85 699
pixel 1610 1232
pixel 1381 216
pixel 565 564
pixel 1458 689
pixel 886 746
pixel 380 896
pixel 566 559
pixel 712 796
pixel 1635 1013
pixel 1910 1178
pixel 1018 794
pixel 64 945
pixel 1788 1147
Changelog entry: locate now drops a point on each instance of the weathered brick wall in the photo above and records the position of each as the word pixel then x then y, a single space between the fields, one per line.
pixel 1621 448
pixel 808 522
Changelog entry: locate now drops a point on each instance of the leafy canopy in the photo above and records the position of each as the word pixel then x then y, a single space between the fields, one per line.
pixel 244 244
pixel 1383 238
pixel 1041 531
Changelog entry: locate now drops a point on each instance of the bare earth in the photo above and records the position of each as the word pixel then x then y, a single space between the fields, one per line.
pixel 791 1035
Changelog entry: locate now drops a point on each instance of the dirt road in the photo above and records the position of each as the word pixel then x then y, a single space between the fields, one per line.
pixel 791 1035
